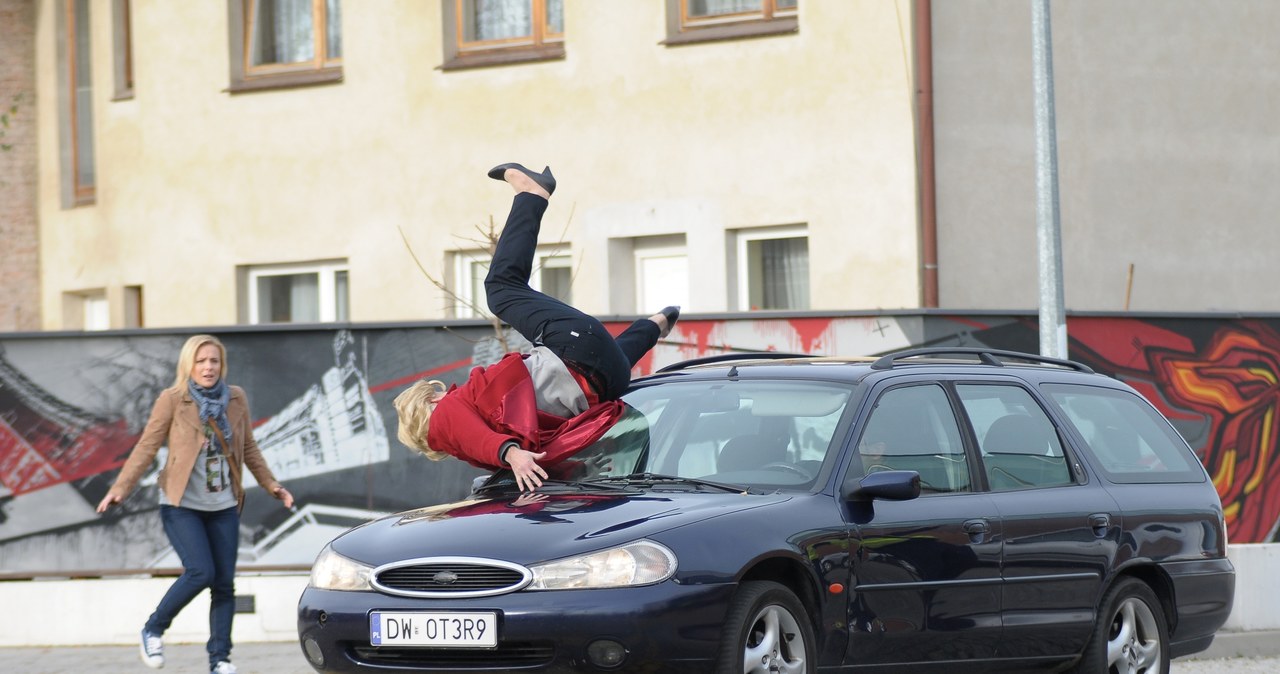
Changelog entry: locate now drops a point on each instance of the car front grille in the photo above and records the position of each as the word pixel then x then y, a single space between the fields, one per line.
pixel 505 656
pixel 450 577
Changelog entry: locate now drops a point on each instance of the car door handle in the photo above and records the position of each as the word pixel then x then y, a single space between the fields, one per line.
pixel 977 529
pixel 1100 522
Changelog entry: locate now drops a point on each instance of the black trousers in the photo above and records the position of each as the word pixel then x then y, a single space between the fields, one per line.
pixel 581 341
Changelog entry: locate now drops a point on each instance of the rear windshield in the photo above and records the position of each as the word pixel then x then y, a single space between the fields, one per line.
pixel 1128 438
pixel 768 434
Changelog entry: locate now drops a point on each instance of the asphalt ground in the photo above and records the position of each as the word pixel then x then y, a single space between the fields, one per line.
pixel 1231 653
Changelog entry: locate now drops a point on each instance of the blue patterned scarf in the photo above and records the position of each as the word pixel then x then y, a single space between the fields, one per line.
pixel 213 405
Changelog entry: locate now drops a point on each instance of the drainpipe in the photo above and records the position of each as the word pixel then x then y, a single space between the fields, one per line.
pixel 922 40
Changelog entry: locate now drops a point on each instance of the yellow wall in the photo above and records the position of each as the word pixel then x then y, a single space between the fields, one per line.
pixel 813 127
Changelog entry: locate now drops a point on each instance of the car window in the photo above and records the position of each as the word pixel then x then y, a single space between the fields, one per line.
pixel 1129 438
pixel 1019 445
pixel 756 433
pixel 913 428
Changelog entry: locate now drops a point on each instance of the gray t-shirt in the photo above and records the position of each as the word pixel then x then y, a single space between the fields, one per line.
pixel 209 487
pixel 556 390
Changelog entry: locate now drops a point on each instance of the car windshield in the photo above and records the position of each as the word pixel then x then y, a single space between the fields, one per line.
pixel 709 434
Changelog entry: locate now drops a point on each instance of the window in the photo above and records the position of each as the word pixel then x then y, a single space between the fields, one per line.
pixel 913 428
pixel 704 20
pixel 493 32
pixel 123 49
pixel 284 43
pixel 769 434
pixel 1019 444
pixel 1126 435
pixel 78 177
pixel 296 293
pixel 662 273
pixel 86 310
pixel 133 317
pixel 773 268
pixel 102 308
pixel 552 274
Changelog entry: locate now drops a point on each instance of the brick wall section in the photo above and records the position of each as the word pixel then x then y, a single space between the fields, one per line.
pixel 19 227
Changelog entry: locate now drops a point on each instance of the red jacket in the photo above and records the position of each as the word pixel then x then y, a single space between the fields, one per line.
pixel 497 405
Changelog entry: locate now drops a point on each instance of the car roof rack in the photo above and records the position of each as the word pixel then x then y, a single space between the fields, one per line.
pixel 986 356
pixel 727 357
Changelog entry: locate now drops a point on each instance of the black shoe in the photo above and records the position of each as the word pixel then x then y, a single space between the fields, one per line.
pixel 545 180
pixel 673 314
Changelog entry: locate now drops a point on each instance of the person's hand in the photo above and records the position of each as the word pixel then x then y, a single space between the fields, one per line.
pixel 592 467
pixel 600 464
pixel 109 500
pixel 283 494
pixel 528 499
pixel 529 475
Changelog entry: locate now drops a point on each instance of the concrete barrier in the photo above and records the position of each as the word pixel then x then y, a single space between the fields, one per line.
pixel 1257 605
pixel 112 611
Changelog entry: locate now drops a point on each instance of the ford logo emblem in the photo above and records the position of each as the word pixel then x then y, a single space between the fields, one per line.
pixel 445 578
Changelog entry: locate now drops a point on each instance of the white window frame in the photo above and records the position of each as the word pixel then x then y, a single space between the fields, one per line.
pixel 326 290
pixel 642 253
pixel 465 261
pixel 87 309
pixel 743 237
pixel 96 311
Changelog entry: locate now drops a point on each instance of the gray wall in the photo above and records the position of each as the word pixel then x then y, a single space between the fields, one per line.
pixel 1168 142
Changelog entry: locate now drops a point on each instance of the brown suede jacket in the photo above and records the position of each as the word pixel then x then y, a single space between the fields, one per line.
pixel 175 421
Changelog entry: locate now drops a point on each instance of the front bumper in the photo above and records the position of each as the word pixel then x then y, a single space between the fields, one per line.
pixel 666 627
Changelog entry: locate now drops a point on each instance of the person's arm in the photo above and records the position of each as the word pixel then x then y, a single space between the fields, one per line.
pixel 257 464
pixel 144 453
pixel 524 465
pixel 456 428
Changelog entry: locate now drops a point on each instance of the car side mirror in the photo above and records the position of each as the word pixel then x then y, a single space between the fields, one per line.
pixel 888 485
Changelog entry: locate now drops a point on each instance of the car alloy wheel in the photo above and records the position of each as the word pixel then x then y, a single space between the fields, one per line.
pixel 767 630
pixel 1131 636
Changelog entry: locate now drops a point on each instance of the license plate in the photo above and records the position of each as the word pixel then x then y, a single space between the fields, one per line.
pixel 440 629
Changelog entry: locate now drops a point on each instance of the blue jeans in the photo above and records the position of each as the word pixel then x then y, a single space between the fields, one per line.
pixel 206 542
pixel 578 339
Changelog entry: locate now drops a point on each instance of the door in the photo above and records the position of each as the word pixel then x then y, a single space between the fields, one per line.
pixel 1060 534
pixel 926 572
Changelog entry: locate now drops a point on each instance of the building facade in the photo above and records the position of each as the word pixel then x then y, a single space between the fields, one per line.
pixel 19 226
pixel 1167 138
pixel 260 161
pixel 256 161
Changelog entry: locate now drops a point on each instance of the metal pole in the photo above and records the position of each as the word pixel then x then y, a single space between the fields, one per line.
pixel 1053 322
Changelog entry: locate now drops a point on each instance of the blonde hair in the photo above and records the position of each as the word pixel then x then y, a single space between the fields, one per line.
pixel 187 358
pixel 413 406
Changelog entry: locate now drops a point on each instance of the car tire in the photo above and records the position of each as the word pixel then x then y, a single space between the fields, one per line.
pixel 767 630
pixel 1131 635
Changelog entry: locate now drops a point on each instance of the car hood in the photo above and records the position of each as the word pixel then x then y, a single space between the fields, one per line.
pixel 530 529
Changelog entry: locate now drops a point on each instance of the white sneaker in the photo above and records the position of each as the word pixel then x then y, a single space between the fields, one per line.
pixel 223 667
pixel 152 649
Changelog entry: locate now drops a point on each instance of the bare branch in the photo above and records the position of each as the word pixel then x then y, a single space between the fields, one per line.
pixel 486 240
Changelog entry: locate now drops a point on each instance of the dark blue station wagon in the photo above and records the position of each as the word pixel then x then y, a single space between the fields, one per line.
pixel 958 509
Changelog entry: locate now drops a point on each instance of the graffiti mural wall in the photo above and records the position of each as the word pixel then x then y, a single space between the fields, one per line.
pixel 71 407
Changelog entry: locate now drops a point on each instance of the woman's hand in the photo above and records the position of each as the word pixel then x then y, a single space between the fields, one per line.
pixel 109 500
pixel 529 475
pixel 283 494
pixel 528 499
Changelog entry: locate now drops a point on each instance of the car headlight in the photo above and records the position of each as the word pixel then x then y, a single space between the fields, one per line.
pixel 637 563
pixel 332 571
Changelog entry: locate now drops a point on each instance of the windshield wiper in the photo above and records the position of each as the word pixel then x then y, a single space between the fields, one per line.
pixel 579 484
pixel 654 479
